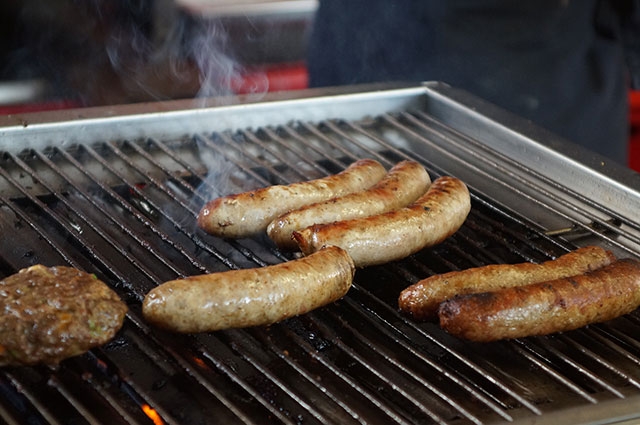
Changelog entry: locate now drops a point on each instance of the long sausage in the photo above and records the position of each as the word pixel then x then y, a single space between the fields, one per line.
pixel 250 297
pixel 245 214
pixel 402 185
pixel 421 300
pixel 396 234
pixel 546 307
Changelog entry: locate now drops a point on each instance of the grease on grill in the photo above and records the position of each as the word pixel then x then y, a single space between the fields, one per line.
pixel 50 314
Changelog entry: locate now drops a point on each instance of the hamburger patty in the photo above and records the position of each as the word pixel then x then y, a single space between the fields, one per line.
pixel 50 314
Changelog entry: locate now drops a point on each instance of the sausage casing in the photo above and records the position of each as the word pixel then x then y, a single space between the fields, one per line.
pixel 247 213
pixel 396 234
pixel 545 307
pixel 250 297
pixel 403 184
pixel 421 300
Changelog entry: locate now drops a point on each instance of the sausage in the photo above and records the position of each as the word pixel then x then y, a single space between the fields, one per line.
pixel 545 307
pixel 402 185
pixel 396 234
pixel 250 297
pixel 245 214
pixel 421 300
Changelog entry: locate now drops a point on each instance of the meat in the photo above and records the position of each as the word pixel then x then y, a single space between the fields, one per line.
pixel 402 185
pixel 50 314
pixel 396 234
pixel 250 297
pixel 421 300
pixel 545 307
pixel 248 213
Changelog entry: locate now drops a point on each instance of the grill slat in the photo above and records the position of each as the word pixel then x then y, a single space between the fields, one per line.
pixel 387 325
pixel 400 377
pixel 534 356
pixel 600 360
pixel 125 208
pixel 560 198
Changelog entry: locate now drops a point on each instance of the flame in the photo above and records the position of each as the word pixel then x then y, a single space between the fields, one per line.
pixel 152 414
pixel 200 362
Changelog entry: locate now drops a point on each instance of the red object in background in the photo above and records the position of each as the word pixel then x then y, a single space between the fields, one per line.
pixel 38 106
pixel 274 78
pixel 634 138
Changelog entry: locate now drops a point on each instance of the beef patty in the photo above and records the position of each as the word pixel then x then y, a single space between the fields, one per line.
pixel 49 314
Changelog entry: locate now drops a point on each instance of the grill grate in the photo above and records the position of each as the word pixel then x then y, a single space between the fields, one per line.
pixel 126 211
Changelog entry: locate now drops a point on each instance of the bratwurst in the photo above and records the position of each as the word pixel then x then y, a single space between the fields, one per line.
pixel 546 307
pixel 421 300
pixel 248 213
pixel 402 185
pixel 250 297
pixel 396 234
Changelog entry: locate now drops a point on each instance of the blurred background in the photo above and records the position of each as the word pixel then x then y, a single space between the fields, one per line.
pixel 64 53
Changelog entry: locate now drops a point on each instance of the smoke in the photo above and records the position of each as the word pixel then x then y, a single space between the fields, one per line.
pixel 193 58
pixel 101 52
pixel 208 47
pixel 116 51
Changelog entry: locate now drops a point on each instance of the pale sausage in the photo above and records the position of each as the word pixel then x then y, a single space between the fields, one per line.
pixel 402 185
pixel 396 234
pixel 248 213
pixel 250 297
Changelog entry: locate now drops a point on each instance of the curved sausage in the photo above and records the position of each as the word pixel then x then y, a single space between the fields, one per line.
pixel 250 297
pixel 545 307
pixel 245 214
pixel 396 234
pixel 421 300
pixel 402 185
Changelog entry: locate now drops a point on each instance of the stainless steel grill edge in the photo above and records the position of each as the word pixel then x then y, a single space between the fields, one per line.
pixel 115 191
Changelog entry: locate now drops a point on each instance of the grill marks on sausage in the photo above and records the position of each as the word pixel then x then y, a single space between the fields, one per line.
pixel 547 307
pixel 421 300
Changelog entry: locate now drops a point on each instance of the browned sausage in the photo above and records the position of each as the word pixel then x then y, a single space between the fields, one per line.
pixel 250 297
pixel 545 307
pixel 396 234
pixel 421 300
pixel 402 185
pixel 245 214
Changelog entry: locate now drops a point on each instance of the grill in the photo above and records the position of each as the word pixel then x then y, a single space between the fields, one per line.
pixel 116 191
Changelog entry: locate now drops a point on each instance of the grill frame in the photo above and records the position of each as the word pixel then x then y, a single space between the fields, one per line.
pixel 582 195
pixel 519 143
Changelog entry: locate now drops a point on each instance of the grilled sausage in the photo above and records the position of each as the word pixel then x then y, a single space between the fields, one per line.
pixel 396 234
pixel 245 214
pixel 251 297
pixel 402 185
pixel 421 300
pixel 545 307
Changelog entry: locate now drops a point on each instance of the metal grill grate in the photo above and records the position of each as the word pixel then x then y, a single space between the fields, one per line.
pixel 125 209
